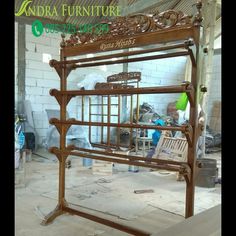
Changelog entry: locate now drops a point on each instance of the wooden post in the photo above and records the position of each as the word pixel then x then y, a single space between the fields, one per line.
pixel 131 121
pixel 193 122
pixel 90 120
pixel 123 5
pixel 62 160
pixel 118 121
pixel 21 66
pixel 207 64
pixel 108 120
pixel 102 117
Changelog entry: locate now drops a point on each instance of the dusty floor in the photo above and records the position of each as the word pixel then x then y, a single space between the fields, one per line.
pixel 110 194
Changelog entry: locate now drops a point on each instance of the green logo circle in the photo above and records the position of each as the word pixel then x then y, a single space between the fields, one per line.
pixel 37 28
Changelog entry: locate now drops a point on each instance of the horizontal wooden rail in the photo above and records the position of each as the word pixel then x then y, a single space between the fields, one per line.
pixel 121 61
pixel 124 54
pixel 169 167
pixel 72 121
pixel 149 160
pixel 147 90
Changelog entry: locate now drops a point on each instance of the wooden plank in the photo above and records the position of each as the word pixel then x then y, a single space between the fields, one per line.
pixel 206 223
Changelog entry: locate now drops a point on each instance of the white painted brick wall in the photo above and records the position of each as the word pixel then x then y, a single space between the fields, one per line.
pixel 31 81
pixel 168 71
pixel 50 106
pixel 30 73
pixel 45 100
pixel 33 90
pixel 40 78
pixel 46 83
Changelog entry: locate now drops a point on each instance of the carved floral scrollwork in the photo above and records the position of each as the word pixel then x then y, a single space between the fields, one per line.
pixel 170 19
pixel 133 25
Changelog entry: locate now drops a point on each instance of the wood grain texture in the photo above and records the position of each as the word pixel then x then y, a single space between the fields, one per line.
pixel 207 223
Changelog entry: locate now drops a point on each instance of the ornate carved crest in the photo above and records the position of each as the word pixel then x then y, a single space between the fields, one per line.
pixel 133 25
pixel 112 86
pixel 124 76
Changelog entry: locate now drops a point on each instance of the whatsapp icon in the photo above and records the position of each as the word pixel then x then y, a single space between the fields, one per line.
pixel 37 28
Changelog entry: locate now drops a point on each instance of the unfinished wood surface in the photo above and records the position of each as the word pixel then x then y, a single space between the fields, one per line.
pixel 171 148
pixel 207 223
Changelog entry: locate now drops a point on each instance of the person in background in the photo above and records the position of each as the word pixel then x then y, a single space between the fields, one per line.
pixel 157 133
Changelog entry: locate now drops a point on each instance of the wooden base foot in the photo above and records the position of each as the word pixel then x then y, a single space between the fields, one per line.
pixel 52 215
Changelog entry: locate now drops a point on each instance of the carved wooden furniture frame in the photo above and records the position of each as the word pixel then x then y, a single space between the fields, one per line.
pixel 123 80
pixel 175 28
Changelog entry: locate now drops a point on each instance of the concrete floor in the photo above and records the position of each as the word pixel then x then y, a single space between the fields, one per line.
pixel 112 195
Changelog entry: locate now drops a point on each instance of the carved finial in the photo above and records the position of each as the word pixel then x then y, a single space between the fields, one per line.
pixel 198 16
pixel 188 43
pixel 63 44
pixel 52 62
pixel 203 88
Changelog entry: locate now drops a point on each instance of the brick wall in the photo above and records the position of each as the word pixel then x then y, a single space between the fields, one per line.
pixel 168 71
pixel 40 78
